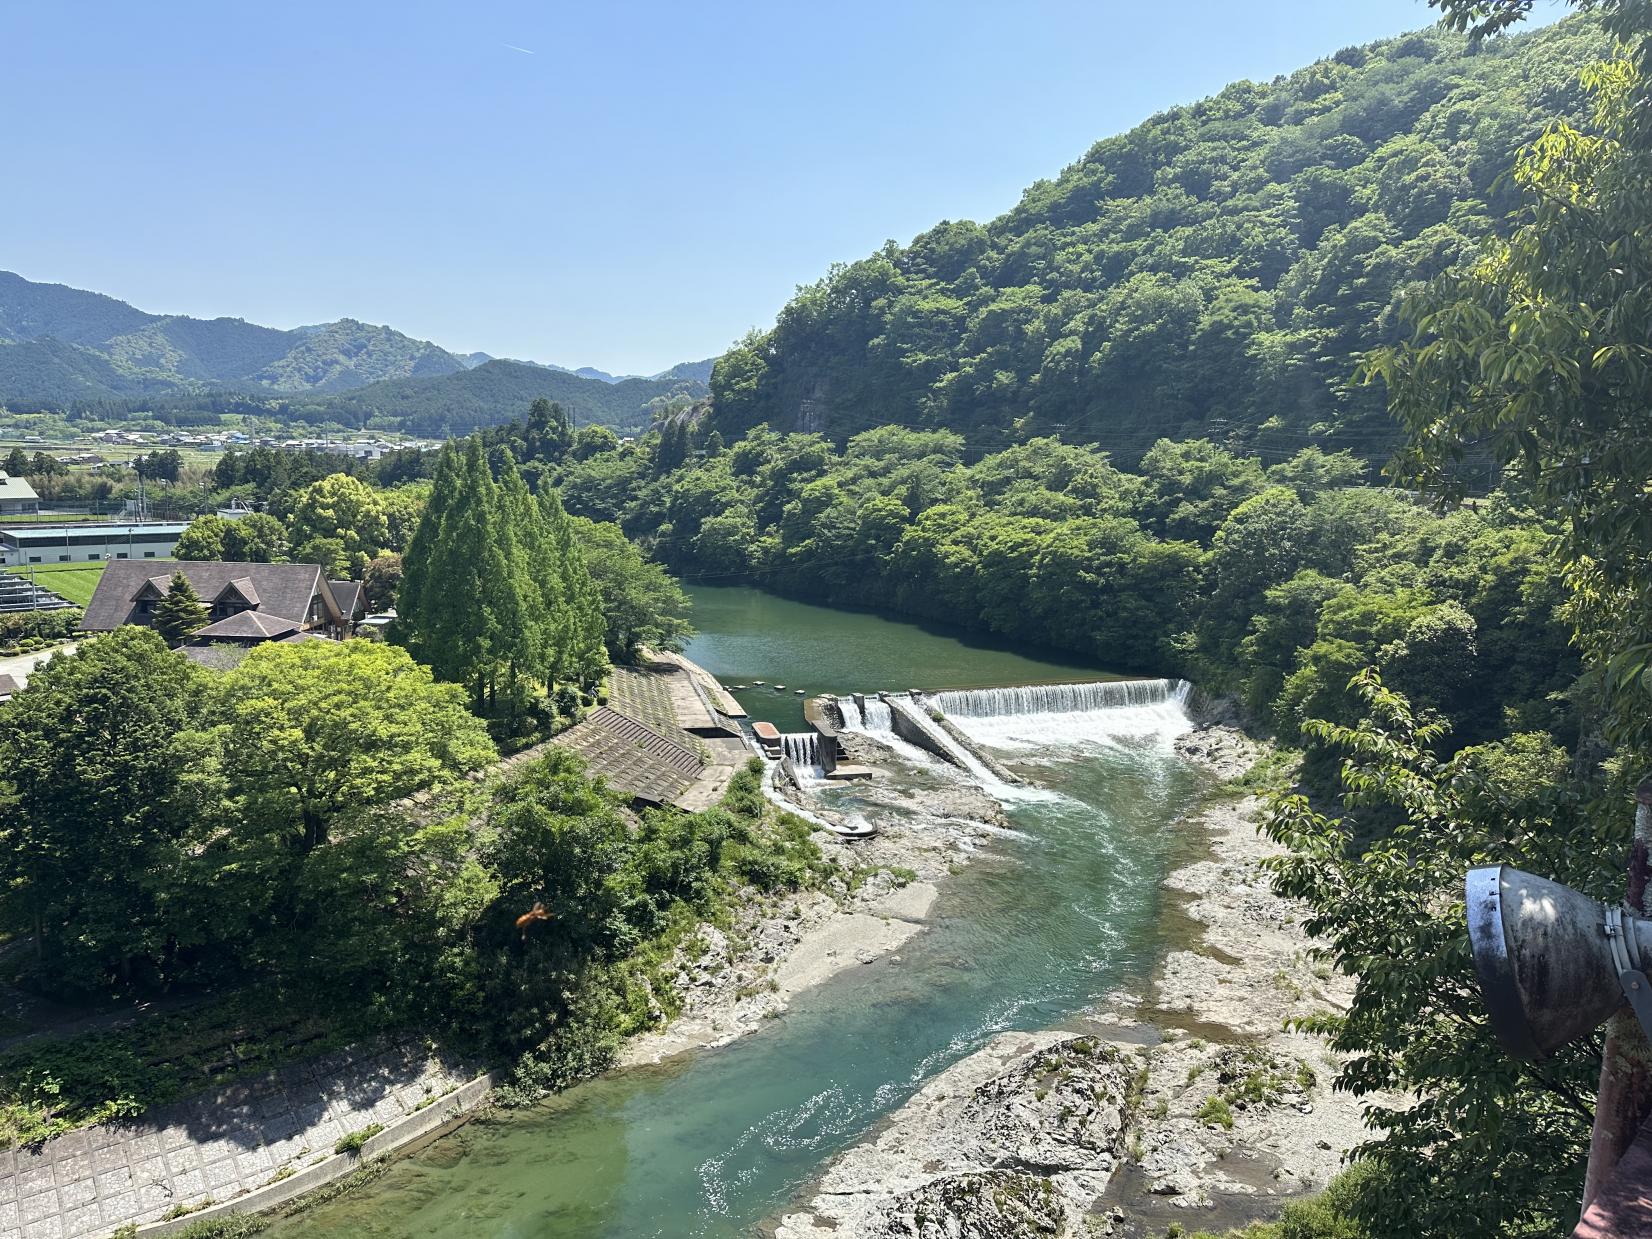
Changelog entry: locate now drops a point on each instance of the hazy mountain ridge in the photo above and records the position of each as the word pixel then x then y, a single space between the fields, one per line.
pixel 63 347
pixel 146 352
pixel 498 390
pixel 689 371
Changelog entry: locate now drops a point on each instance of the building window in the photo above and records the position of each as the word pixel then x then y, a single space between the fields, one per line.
pixel 149 554
pixel 120 554
pixel 62 559
pixel 94 556
pixel 34 559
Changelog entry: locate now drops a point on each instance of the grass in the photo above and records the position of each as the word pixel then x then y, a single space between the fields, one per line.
pixel 353 1142
pixel 76 582
pixel 1218 1112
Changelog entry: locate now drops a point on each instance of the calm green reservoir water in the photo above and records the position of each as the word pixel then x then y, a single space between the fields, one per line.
pixel 747 635
pixel 1060 912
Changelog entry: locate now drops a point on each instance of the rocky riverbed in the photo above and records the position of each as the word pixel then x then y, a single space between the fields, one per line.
pixel 731 981
pixel 1190 1104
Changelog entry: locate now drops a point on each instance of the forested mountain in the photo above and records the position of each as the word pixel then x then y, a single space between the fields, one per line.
pixel 64 348
pixel 496 391
pixel 1218 270
pixel 144 352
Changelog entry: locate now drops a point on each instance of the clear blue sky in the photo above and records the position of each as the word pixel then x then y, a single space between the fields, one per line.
pixel 637 187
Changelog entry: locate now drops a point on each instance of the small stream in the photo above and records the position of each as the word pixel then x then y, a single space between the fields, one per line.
pixel 1052 918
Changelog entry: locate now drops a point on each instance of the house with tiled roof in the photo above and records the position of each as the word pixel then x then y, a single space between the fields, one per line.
pixel 246 603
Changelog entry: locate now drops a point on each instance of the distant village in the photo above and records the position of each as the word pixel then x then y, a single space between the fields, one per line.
pixel 223 441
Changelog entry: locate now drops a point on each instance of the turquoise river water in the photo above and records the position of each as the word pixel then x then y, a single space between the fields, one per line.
pixel 1062 911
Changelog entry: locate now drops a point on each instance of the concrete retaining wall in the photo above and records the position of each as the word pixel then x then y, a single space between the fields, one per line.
pixel 981 755
pixel 914 732
pixel 403 1131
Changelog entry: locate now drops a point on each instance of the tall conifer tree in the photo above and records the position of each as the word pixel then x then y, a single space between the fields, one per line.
pixel 581 653
pixel 180 612
pixel 541 579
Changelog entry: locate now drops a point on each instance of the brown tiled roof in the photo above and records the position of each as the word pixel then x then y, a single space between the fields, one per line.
pixel 243 586
pixel 633 757
pixel 8 685
pixel 246 626
pixel 283 590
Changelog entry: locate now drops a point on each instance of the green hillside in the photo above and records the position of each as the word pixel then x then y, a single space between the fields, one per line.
pixel 496 391
pixel 1217 270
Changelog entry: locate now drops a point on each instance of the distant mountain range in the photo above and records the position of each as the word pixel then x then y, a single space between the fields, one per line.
pixel 63 347
pixel 691 371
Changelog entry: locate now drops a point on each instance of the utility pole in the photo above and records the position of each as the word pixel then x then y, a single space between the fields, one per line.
pixel 1625 1096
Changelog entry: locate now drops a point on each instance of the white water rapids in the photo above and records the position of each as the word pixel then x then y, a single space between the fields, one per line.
pixel 1022 722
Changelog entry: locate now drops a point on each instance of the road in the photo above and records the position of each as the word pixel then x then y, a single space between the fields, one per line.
pixel 19 666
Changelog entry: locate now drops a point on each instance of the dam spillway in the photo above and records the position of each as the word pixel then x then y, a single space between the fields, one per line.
pixel 803 747
pixel 973 729
pixel 1060 698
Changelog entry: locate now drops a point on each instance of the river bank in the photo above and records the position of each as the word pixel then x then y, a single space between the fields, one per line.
pixel 781 946
pixel 1187 1104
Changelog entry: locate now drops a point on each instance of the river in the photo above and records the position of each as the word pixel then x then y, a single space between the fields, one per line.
pixel 1065 910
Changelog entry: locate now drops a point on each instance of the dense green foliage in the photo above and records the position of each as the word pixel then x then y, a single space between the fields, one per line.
pixel 1477 1142
pixel 165 824
pixel 1536 352
pixel 1216 271
pixel 1273 584
pixel 179 612
pixel 1539 349
pixel 641 603
pixel 162 826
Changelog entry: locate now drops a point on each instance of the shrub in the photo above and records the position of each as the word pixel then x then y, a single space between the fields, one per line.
pixel 1216 1111
pixel 353 1141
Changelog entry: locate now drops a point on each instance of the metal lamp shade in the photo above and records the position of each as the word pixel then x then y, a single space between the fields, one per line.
pixel 1543 958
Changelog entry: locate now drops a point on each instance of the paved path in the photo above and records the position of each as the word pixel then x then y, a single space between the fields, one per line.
pixel 19 666
pixel 216 1146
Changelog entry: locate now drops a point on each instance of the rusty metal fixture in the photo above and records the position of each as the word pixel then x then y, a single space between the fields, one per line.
pixel 1553 963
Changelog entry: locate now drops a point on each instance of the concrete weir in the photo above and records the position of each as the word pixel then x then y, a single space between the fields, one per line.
pixel 913 722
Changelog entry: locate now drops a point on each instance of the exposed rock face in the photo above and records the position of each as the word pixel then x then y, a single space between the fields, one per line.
pixel 977 1206
pixel 1220 748
pixel 1015 1140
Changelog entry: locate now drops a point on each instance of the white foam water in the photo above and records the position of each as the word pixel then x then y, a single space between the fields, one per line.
pixel 877 719
pixel 1061 716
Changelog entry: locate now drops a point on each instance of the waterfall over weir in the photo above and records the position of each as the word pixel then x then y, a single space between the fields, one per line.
pixel 1026 721
pixel 1060 698
pixel 803 747
pixel 1039 717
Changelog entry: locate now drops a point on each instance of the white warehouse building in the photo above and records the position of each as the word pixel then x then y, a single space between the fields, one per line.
pixel 89 543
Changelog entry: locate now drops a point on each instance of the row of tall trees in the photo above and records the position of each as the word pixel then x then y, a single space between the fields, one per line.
pixel 495 594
